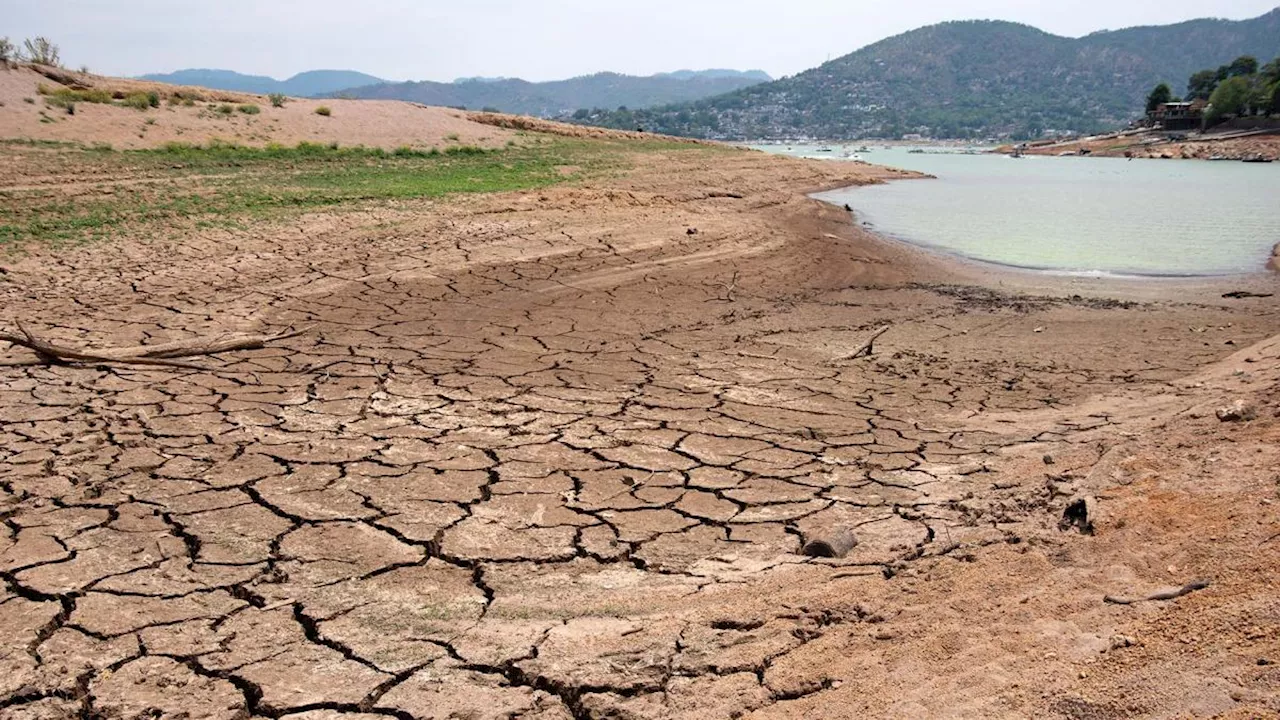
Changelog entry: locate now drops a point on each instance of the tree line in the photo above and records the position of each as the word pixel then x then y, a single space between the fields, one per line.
pixel 1238 88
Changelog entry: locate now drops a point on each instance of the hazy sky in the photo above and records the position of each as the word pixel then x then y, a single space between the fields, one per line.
pixel 534 39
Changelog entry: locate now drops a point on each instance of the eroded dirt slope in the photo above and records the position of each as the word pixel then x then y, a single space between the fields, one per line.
pixel 25 113
pixel 554 454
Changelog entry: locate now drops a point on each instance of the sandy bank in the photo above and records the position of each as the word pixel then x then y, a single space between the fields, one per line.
pixel 26 114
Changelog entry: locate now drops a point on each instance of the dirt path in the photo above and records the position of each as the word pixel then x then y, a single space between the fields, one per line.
pixel 554 454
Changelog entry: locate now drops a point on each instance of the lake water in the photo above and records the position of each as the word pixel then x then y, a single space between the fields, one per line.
pixel 1077 214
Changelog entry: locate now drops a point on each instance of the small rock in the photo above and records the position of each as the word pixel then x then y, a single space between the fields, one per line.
pixel 1122 641
pixel 1048 459
pixel 691 231
pixel 1039 330
pixel 885 635
pixel 1263 662
pixel 1238 411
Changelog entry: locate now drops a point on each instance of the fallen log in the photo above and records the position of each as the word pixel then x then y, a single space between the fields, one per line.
pixel 832 544
pixel 161 355
pixel 205 346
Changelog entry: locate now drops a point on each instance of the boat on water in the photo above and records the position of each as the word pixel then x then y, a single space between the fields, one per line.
pixel 824 149
pixel 1256 159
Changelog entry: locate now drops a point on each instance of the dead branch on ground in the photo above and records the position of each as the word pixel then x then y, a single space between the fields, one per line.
pixel 730 289
pixel 1170 594
pixel 866 348
pixel 161 355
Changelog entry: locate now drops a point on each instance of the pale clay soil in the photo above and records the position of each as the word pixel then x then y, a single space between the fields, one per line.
pixel 549 455
pixel 377 123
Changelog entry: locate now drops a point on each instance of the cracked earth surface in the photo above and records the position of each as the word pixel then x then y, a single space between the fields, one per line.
pixel 554 455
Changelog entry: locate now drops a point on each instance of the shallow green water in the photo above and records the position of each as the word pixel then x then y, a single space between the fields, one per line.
pixel 1077 214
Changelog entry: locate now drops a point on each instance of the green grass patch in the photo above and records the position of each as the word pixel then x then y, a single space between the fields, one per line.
pixel 137 101
pixel 66 96
pixel 224 184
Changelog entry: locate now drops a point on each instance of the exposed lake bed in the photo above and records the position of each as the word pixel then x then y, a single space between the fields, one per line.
pixel 1079 216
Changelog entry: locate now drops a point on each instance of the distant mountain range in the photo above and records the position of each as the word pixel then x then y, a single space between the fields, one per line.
pixel 603 90
pixel 548 99
pixel 966 80
pixel 307 84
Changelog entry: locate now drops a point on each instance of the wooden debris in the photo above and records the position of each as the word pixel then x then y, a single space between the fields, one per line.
pixel 730 289
pixel 162 355
pixel 832 544
pixel 866 348
pixel 1171 594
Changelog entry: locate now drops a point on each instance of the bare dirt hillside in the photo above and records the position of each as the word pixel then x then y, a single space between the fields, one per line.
pixel 27 114
pixel 555 453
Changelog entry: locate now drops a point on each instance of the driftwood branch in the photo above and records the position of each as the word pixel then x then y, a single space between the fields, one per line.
pixel 205 346
pixel 866 348
pixel 1171 594
pixel 730 288
pixel 161 355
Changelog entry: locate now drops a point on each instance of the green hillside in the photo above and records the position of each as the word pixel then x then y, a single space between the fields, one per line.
pixel 964 80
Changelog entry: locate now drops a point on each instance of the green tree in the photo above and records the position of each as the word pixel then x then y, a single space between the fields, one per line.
pixel 1161 95
pixel 1233 97
pixel 1271 71
pixel 1243 65
pixel 1202 84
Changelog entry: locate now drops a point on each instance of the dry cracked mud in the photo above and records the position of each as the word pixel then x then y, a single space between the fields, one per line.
pixel 554 455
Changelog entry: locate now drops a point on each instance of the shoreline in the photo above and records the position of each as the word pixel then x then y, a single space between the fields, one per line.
pixel 962 270
pixel 1272 264
pixel 1151 145
pixel 1267 270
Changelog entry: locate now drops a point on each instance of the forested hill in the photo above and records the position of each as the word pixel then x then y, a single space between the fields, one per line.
pixel 967 79
pixel 548 99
